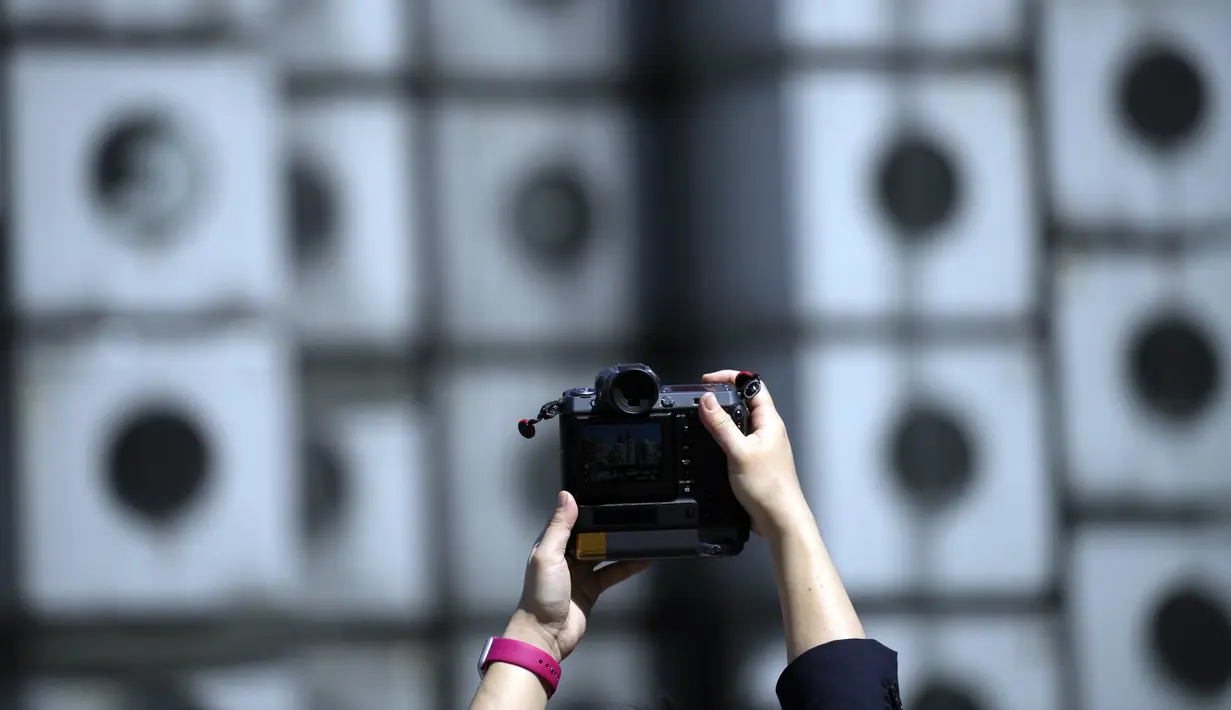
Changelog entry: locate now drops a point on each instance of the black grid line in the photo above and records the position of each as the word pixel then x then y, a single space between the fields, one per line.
pixel 1052 414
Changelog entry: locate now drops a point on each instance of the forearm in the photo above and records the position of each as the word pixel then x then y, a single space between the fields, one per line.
pixel 815 606
pixel 508 687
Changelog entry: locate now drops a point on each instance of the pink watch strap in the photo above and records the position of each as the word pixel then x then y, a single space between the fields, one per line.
pixel 522 655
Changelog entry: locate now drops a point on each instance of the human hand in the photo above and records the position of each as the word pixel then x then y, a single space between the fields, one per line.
pixel 760 465
pixel 559 593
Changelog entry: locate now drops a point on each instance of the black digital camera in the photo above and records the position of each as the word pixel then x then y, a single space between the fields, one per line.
pixel 649 479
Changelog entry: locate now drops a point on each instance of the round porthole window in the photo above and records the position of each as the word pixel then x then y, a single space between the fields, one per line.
pixel 932 456
pixel 1174 367
pixel 917 186
pixel 146 178
pixel 553 216
pixel 1190 635
pixel 1163 97
pixel 158 463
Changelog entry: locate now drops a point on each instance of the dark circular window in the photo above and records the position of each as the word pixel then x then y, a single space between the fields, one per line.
pixel 158 463
pixel 1191 637
pixel 313 210
pixel 917 185
pixel 941 695
pixel 932 456
pixel 160 695
pixel 145 176
pixel 553 215
pixel 1174 367
pixel 325 489
pixel 1162 96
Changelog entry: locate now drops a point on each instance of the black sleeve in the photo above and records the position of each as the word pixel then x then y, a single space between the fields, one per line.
pixel 850 674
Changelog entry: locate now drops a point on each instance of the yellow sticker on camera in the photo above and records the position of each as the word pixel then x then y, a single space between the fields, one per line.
pixel 592 546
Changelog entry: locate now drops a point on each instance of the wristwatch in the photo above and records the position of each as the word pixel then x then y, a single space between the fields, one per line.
pixel 522 655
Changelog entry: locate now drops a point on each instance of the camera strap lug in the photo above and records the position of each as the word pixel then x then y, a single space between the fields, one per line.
pixel 547 411
pixel 748 384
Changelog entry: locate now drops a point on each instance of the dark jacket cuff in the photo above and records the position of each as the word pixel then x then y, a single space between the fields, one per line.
pixel 849 673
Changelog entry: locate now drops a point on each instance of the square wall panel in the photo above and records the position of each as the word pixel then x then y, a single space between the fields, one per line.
pixel 1143 348
pixel 537 222
pixel 367 511
pixel 353 221
pixel 498 39
pixel 503 487
pixel 911 196
pixel 926 469
pixel 1152 610
pixel 1136 97
pixel 142 185
pixel 157 476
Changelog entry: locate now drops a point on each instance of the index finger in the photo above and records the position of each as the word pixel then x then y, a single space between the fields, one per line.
pixel 761 406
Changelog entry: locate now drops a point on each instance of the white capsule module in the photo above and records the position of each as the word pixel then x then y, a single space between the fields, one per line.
pixel 1142 347
pixel 145 186
pixel 538 222
pixel 1135 98
pixel 927 469
pixel 158 475
pixel 1151 610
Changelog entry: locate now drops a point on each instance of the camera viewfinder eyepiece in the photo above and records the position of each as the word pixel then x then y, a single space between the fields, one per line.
pixel 629 389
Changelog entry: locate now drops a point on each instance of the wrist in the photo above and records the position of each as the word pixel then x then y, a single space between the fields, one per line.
pixel 525 628
pixel 791 522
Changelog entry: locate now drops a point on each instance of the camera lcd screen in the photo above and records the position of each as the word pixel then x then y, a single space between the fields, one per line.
pixel 621 453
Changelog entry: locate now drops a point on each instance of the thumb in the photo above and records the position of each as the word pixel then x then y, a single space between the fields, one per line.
pixel 555 538
pixel 719 424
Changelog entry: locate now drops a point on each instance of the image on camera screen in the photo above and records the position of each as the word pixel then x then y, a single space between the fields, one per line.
pixel 621 453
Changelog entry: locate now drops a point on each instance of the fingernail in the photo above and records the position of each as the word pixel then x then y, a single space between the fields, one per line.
pixel 710 402
pixel 561 499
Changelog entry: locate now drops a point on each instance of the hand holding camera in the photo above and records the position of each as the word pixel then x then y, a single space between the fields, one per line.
pixel 558 593
pixel 760 465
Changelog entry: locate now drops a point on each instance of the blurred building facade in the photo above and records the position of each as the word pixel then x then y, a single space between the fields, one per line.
pixel 281 276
